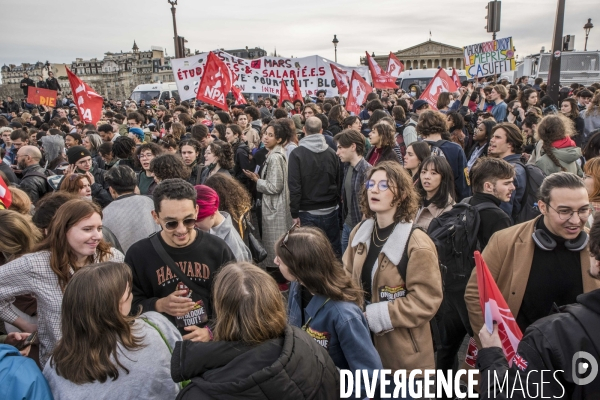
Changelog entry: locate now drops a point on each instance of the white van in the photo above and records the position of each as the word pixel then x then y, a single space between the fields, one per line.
pixel 162 91
pixel 422 77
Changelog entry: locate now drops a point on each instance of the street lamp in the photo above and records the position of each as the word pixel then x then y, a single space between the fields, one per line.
pixel 335 41
pixel 587 27
pixel 178 54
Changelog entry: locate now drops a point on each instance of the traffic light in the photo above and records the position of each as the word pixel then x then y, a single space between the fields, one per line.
pixel 493 16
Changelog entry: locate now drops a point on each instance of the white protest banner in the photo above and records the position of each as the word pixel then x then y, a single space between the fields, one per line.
pixel 263 75
pixel 489 58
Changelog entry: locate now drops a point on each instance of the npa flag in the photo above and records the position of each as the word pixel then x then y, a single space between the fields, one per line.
pixel 340 77
pixel 395 66
pixel 5 194
pixel 359 89
pixel 381 80
pixel 494 308
pixel 284 94
pixel 297 92
pixel 89 103
pixel 455 78
pixel 441 82
pixel 237 94
pixel 43 97
pixel 215 83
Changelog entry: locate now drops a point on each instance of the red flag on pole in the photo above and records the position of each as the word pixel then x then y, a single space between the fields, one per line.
pixel 284 94
pixel 494 308
pixel 359 89
pixel 297 92
pixel 239 97
pixel 441 82
pixel 215 83
pixel 395 66
pixel 381 80
pixel 340 76
pixel 5 194
pixel 455 78
pixel 89 103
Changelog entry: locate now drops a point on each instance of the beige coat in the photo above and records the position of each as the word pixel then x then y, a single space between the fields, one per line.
pixel 509 255
pixel 399 312
pixel 426 214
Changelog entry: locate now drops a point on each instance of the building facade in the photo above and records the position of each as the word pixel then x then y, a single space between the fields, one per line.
pixel 429 54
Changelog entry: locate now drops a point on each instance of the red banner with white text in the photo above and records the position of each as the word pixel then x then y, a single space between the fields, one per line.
pixel 395 66
pixel 381 79
pixel 441 82
pixel 359 89
pixel 215 83
pixel 89 103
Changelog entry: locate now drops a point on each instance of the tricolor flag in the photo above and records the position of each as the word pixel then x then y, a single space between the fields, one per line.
pixel 494 308
pixel 5 194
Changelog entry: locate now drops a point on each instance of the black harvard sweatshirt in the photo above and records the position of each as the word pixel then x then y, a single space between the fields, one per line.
pixel 153 280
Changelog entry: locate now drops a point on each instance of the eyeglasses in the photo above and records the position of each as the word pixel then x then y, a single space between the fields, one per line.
pixel 381 185
pixel 145 156
pixel 188 223
pixel 566 215
pixel 287 236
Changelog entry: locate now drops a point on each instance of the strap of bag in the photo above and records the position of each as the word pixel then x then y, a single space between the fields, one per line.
pixel 166 258
pixel 403 264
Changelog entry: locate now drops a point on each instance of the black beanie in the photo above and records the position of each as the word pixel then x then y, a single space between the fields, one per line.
pixel 76 153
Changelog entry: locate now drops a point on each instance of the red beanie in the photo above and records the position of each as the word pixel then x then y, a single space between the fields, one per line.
pixel 207 200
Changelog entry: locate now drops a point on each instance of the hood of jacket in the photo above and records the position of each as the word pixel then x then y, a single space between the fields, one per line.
pixel 294 364
pixel 315 143
pixel 591 300
pixel 8 351
pixel 567 154
pixel 224 228
pixel 53 145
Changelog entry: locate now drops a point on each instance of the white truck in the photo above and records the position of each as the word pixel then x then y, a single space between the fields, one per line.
pixel 149 91
pixel 575 67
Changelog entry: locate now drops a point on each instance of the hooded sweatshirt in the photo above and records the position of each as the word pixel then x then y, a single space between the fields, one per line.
pixel 53 145
pixel 568 158
pixel 313 177
pixel 227 232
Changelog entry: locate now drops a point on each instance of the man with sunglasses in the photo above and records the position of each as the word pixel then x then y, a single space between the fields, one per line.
pixel 199 255
pixel 543 263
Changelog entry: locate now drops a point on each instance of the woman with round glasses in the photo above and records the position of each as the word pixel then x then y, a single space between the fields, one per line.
pixel 144 154
pixel 399 305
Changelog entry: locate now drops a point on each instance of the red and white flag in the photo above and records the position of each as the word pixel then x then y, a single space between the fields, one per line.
pixel 215 83
pixel 297 92
pixel 89 103
pixel 359 89
pixel 395 66
pixel 5 194
pixel 381 79
pixel 284 94
pixel 494 308
pixel 340 76
pixel 441 82
pixel 455 78
pixel 237 94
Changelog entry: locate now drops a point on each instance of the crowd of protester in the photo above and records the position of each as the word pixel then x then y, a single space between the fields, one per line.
pixel 181 251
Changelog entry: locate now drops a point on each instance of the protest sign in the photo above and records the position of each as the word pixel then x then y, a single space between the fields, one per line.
pixel 89 103
pixel 262 75
pixel 359 89
pixel 216 82
pixel 441 82
pixel 43 97
pixel 489 58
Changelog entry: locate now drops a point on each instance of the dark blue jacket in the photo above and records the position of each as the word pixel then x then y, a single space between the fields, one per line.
pixel 513 207
pixel 458 161
pixel 340 327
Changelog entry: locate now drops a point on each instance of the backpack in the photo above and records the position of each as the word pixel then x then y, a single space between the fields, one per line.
pixel 454 234
pixel 534 177
pixel 436 147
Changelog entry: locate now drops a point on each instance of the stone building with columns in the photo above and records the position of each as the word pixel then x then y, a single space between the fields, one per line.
pixel 429 54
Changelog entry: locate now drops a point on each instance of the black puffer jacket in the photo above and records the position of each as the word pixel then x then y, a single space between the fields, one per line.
pixel 294 367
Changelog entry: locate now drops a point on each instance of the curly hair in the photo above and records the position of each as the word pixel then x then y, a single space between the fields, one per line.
pixel 169 166
pixel 234 198
pixel 123 147
pixel 552 128
pixel 401 185
pixel 282 130
pixel 223 152
pixel 192 143
pixel 432 122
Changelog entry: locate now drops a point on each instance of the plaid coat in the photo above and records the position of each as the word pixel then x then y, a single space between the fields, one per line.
pixel 352 205
pixel 273 185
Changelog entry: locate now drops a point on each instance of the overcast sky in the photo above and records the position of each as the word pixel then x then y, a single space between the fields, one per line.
pixel 62 30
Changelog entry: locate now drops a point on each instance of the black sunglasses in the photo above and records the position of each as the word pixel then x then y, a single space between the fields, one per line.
pixel 188 223
pixel 287 236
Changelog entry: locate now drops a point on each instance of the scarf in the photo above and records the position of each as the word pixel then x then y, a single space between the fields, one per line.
pixel 562 143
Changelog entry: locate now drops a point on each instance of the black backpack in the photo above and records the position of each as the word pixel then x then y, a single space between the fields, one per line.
pixel 454 234
pixel 400 138
pixel 534 177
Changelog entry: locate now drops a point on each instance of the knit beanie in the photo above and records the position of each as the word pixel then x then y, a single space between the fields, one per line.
pixel 207 200
pixel 76 153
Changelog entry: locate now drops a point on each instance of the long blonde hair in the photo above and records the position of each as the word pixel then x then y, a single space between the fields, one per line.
pixel 18 235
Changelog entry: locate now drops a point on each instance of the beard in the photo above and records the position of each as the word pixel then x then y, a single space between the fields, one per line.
pixel 21 165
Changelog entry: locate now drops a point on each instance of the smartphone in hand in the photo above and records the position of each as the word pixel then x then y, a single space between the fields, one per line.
pixel 27 341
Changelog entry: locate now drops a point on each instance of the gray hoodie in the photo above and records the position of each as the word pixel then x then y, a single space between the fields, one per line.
pixel 315 143
pixel 227 232
pixel 53 145
pixel 568 158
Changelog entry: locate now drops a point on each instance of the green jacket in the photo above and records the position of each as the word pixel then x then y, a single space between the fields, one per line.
pixel 567 156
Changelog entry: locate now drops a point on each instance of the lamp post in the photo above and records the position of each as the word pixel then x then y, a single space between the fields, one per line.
pixel 178 54
pixel 335 42
pixel 587 27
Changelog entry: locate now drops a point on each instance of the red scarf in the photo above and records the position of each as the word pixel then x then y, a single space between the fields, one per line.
pixel 562 143
pixel 375 156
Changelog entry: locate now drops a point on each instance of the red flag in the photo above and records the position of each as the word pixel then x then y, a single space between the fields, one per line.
pixel 395 66
pixel 5 194
pixel 297 91
pixel 239 97
pixel 89 103
pixel 341 79
pixel 284 94
pixel 359 89
pixel 494 308
pixel 381 80
pixel 455 78
pixel 441 82
pixel 215 83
